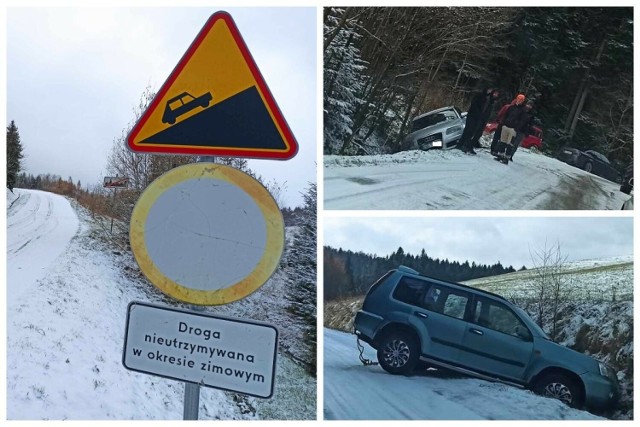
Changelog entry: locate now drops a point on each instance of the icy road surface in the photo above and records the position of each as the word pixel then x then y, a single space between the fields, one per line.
pixel 353 391
pixel 449 179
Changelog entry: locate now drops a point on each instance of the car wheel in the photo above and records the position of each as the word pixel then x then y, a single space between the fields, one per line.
pixel 561 387
pixel 398 353
pixel 588 167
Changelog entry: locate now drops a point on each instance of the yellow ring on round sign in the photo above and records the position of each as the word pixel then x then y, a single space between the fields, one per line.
pixel 254 189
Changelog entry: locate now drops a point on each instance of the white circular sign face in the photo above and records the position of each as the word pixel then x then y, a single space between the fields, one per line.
pixel 207 234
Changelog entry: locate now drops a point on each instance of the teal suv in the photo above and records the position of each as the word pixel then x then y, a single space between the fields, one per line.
pixel 413 320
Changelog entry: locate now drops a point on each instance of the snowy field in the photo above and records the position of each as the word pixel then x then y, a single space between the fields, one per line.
pixel 449 179
pixel 67 297
pixel 353 391
pixel 592 280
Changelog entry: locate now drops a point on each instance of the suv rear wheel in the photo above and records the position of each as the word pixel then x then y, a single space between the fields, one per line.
pixel 561 387
pixel 398 353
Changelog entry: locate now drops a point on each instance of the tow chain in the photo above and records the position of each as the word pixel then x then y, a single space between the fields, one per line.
pixel 364 360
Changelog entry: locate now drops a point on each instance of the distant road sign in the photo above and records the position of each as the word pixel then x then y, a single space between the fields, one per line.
pixel 215 102
pixel 115 182
pixel 207 234
pixel 224 353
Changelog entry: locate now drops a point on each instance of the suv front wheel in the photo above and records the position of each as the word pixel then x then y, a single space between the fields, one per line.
pixel 398 353
pixel 561 387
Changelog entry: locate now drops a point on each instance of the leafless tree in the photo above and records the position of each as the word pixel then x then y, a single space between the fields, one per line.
pixel 551 283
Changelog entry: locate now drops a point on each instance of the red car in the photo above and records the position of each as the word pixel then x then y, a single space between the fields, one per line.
pixel 532 140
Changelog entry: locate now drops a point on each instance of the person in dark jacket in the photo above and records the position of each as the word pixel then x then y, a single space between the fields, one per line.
pixel 500 119
pixel 514 120
pixel 524 128
pixel 477 116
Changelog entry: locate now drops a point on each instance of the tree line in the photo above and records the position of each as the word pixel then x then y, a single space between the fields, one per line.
pixel 348 273
pixel 385 65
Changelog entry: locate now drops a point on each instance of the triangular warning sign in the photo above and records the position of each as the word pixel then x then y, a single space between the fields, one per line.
pixel 215 102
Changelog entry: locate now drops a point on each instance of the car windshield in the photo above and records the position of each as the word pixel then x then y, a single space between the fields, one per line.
pixel 433 119
pixel 533 325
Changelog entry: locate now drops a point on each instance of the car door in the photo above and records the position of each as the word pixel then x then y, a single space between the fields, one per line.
pixel 496 341
pixel 438 312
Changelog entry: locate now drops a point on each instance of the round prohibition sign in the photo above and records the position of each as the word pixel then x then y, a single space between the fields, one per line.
pixel 207 234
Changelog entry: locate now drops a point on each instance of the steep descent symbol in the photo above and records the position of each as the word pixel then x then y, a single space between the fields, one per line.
pixel 182 104
pixel 215 102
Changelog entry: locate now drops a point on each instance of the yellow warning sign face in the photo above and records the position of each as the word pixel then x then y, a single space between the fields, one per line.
pixel 215 102
pixel 207 234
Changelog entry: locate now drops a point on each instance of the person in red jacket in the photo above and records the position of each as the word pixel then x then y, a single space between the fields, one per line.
pixel 500 118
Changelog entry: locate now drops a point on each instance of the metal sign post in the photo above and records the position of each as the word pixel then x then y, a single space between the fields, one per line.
pixel 191 392
pixel 191 401
pixel 114 182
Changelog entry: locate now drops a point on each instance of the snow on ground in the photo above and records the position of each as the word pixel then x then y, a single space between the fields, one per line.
pixel 65 330
pixel 353 391
pixel 41 227
pixel 600 279
pixel 449 179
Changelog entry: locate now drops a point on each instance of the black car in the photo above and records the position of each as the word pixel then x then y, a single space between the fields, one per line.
pixel 627 180
pixel 590 161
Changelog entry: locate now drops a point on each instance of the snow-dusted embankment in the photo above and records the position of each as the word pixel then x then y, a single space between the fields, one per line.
pixel 68 295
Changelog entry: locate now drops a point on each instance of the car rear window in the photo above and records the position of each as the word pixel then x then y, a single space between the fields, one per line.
pixel 410 290
pixel 380 281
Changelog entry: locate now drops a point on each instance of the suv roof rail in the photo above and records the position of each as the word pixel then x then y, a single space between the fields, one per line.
pixel 406 269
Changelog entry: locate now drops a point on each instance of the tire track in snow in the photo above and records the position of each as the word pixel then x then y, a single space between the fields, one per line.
pixel 39 228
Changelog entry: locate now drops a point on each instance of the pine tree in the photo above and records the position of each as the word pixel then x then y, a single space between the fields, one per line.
pixel 14 155
pixel 343 78
pixel 301 277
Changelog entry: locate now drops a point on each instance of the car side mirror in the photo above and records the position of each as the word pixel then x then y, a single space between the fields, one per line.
pixel 464 114
pixel 523 333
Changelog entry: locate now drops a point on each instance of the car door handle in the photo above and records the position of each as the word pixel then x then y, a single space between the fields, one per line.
pixel 423 315
pixel 476 331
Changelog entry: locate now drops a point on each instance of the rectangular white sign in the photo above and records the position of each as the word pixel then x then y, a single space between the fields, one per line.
pixel 224 353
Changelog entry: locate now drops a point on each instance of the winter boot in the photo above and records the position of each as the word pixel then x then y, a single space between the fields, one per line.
pixel 494 143
pixel 508 153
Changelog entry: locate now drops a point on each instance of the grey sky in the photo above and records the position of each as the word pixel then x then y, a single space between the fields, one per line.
pixel 483 240
pixel 74 75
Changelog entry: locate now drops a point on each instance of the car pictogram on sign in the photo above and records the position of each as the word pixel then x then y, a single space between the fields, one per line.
pixel 182 104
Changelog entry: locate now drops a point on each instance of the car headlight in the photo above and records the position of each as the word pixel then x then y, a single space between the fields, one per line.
pixel 606 370
pixel 453 129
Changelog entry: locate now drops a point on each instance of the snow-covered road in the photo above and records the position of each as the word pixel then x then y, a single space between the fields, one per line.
pixel 39 227
pixel 449 179
pixel 353 391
